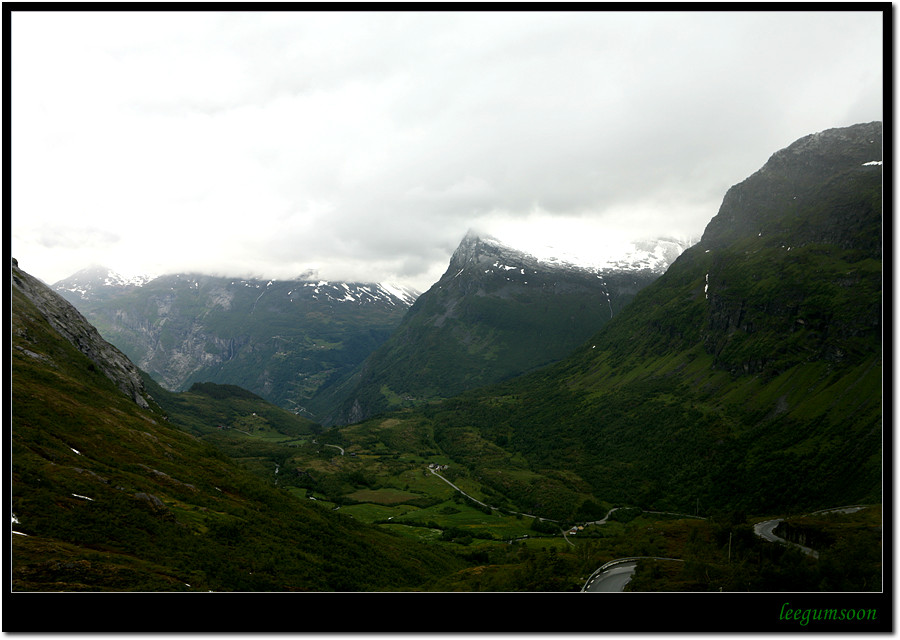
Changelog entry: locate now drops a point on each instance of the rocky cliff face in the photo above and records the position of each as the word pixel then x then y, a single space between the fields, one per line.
pixel 789 270
pixel 69 323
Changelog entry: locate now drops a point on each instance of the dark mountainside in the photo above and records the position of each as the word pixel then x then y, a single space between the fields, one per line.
pixel 497 312
pixel 748 377
pixel 279 339
pixel 108 495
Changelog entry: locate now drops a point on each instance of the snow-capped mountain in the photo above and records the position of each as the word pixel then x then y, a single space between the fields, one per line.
pixel 280 339
pixel 100 283
pixel 654 255
pixel 97 282
pixel 497 311
pixel 362 293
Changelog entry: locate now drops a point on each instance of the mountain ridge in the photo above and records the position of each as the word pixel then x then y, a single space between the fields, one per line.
pixel 794 174
pixel 646 254
pixel 280 339
pixel 98 281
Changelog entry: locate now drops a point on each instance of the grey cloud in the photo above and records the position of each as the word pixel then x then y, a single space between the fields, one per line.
pixel 372 140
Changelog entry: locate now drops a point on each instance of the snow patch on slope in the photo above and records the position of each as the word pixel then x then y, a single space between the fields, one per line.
pixel 601 256
pixel 362 293
pixel 88 282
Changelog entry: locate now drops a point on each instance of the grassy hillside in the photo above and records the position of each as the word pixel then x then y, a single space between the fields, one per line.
pixel 109 496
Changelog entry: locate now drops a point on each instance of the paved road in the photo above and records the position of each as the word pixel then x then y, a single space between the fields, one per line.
pixel 853 509
pixel 615 574
pixel 766 531
pixel 605 518
pixel 341 449
pixel 483 504
pixel 460 490
pixel 613 579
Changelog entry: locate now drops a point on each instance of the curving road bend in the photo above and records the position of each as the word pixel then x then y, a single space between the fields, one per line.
pixel 615 574
pixel 766 531
pixel 433 472
pixel 613 579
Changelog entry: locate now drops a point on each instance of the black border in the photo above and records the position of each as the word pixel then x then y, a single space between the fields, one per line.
pixel 554 613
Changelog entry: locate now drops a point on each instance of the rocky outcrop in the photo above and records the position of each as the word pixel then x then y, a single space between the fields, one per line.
pixel 70 324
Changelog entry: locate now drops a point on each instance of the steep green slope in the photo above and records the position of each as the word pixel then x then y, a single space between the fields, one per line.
pixel 208 407
pixel 748 377
pixel 108 495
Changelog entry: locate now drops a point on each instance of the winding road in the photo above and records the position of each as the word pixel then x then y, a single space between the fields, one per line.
pixel 460 490
pixel 527 515
pixel 614 575
pixel 766 531
pixel 334 446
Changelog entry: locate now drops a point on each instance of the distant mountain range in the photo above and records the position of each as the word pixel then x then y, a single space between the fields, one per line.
pixel 101 283
pixel 97 283
pixel 300 343
pixel 279 339
pixel 653 255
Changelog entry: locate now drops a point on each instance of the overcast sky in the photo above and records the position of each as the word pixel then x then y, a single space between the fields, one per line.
pixel 364 145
